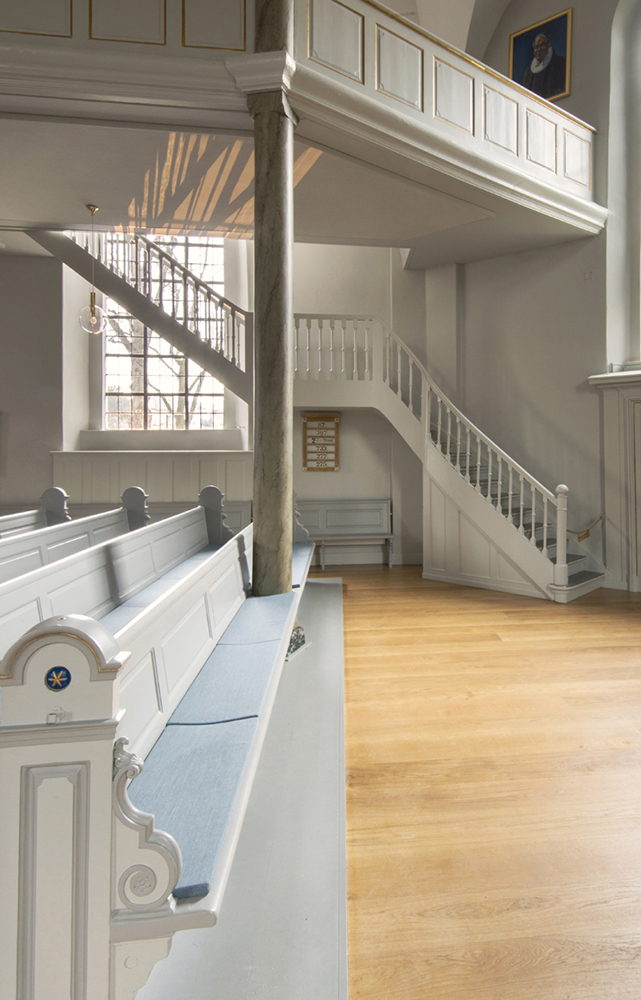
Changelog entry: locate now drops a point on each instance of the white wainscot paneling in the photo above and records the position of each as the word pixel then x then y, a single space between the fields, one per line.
pixel 185 643
pixel 399 68
pixel 453 96
pixel 541 140
pixel 88 594
pixel 336 37
pixel 577 158
pixel 436 527
pixel 134 569
pixel 37 17
pixel 506 572
pixel 140 696
pixel 212 25
pixel 224 599
pixel 127 21
pixel 500 117
pixel 52 910
pixel 474 551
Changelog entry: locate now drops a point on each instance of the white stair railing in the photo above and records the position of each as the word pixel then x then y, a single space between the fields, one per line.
pixel 154 273
pixel 343 347
pixel 333 347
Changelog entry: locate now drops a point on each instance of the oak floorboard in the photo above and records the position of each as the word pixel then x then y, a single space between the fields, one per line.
pixel 493 753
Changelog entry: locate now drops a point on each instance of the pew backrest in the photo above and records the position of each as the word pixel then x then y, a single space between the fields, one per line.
pixel 52 510
pixel 17 524
pixel 27 550
pixel 95 581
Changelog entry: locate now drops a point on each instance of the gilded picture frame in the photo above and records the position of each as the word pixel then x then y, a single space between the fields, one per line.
pixel 540 56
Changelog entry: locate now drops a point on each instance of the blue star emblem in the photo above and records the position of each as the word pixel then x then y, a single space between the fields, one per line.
pixel 57 678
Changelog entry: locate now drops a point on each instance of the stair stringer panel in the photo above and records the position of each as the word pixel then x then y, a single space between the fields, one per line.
pixel 465 540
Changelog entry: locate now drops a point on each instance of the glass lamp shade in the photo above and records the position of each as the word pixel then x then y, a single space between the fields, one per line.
pixel 92 318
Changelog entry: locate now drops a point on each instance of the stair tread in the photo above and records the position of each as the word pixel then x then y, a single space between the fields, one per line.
pixel 583 576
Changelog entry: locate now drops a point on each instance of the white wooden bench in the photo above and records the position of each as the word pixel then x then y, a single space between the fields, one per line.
pixel 120 632
pixel 348 522
pixel 52 510
pixel 24 550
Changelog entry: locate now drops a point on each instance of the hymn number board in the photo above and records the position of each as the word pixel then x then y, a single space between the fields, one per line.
pixel 320 442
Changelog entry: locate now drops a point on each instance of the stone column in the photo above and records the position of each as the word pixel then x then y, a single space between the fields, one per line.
pixel 273 473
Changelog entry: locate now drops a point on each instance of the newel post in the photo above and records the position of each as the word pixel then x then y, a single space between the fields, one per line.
pixel 561 567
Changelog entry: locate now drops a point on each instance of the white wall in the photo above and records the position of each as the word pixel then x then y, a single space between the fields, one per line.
pixel 375 463
pixel 534 333
pixel 535 323
pixel 76 347
pixel 30 375
pixel 342 279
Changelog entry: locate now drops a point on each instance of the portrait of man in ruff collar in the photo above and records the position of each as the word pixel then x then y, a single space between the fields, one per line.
pixel 540 57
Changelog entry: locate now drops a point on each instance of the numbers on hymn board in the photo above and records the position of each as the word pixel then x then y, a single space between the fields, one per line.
pixel 320 442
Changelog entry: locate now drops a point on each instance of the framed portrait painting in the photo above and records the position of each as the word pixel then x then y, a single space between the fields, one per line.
pixel 540 56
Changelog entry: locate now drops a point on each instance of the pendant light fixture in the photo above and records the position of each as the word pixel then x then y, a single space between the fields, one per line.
pixel 92 318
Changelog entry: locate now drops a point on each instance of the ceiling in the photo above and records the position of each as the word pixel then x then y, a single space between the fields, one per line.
pixel 157 180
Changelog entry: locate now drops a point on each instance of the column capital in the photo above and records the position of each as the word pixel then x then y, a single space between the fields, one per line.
pixel 262 71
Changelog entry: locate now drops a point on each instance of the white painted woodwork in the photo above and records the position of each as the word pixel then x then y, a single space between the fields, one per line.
pixel 148 269
pixel 541 140
pixel 25 552
pixel 167 477
pixel 336 37
pixel 17 524
pixel 453 96
pixel 473 107
pixel 214 26
pixel 505 506
pixel 89 878
pixel 577 160
pixel 500 120
pixel 37 17
pixel 622 462
pixel 399 68
pixel 123 21
pixel 346 523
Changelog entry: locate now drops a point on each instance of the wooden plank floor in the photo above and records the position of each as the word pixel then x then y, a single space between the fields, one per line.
pixel 493 754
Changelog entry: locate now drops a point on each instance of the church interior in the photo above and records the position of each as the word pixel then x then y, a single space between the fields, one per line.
pixel 398 243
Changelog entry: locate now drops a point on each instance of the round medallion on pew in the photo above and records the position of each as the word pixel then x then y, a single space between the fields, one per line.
pixel 57 678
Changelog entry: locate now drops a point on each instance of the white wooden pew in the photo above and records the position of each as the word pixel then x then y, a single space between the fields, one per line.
pixel 23 551
pixel 347 523
pixel 121 631
pixel 52 510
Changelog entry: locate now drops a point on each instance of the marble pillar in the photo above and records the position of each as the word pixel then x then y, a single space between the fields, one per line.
pixel 273 442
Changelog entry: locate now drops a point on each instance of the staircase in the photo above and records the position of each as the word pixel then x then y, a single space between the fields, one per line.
pixel 166 297
pixel 486 521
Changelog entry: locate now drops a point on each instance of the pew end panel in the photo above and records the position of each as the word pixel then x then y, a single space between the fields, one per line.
pixel 81 847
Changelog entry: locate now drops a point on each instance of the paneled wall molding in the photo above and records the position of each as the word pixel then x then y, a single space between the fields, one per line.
pixel 123 85
pixel 354 118
pixel 50 18
pixel 262 71
pixel 374 53
pixel 622 476
pixel 99 477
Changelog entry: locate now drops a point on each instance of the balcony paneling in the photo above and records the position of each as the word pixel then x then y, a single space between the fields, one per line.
pixel 144 21
pixel 208 25
pixel 383 57
pixel 37 17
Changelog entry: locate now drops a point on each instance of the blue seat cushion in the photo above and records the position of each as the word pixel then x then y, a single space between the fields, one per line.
pixel 189 782
pixel 302 553
pixel 231 685
pixel 259 619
